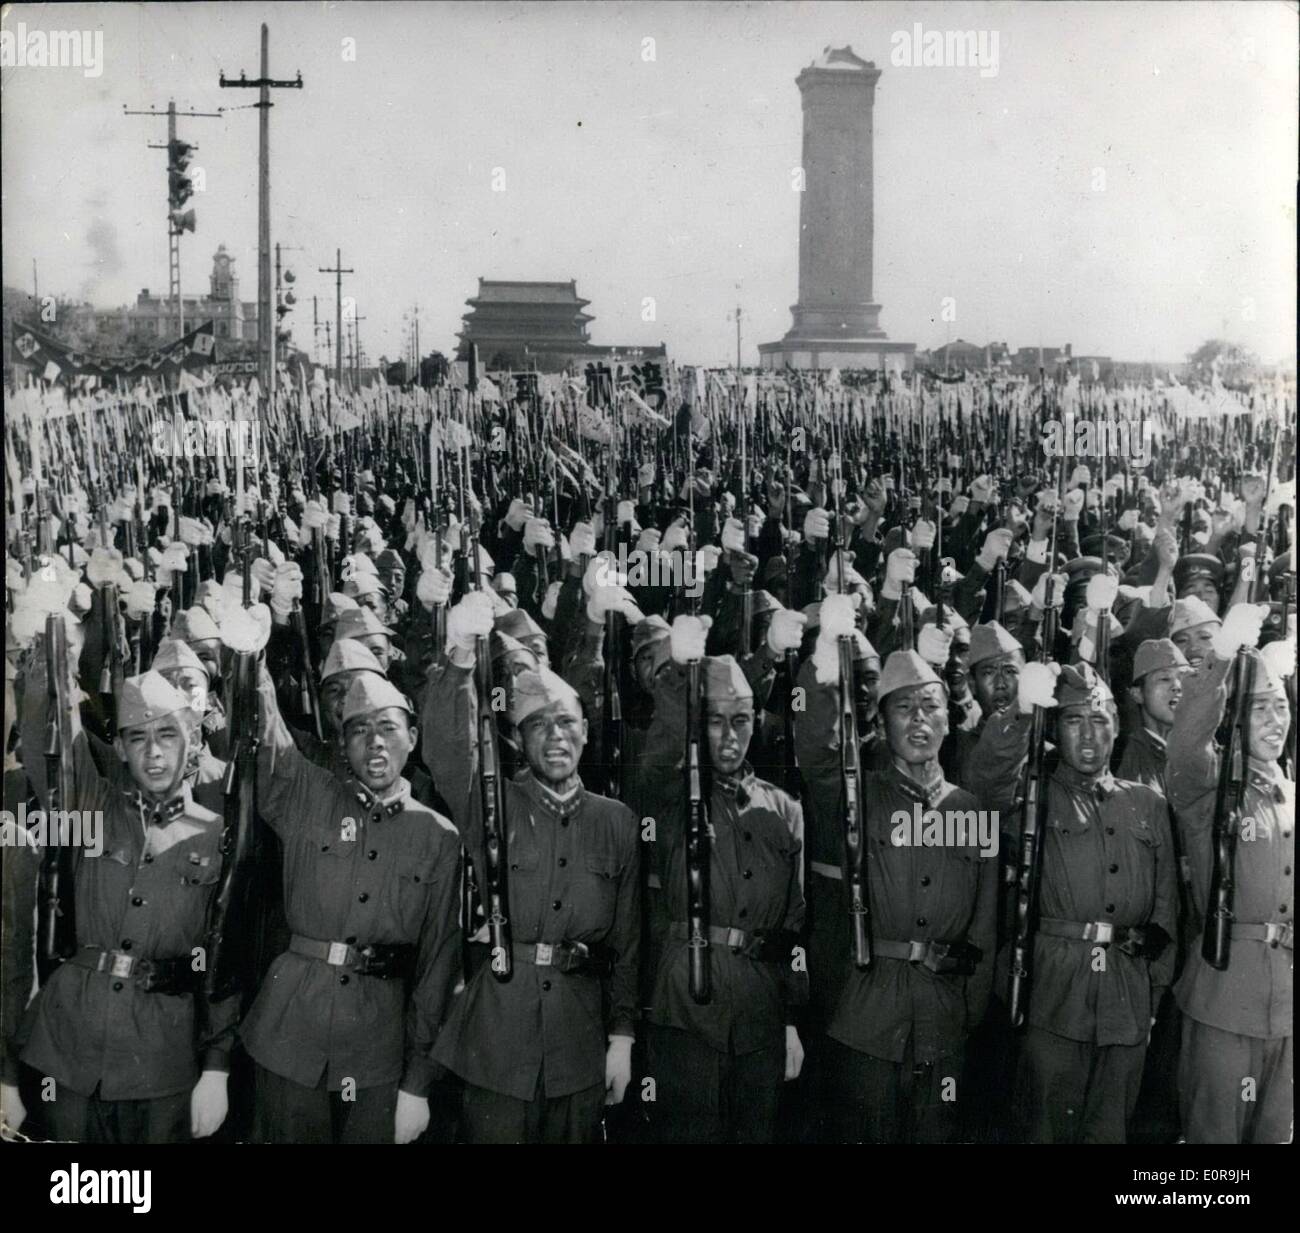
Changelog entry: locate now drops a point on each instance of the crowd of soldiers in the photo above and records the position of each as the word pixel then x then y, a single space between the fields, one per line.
pixel 765 791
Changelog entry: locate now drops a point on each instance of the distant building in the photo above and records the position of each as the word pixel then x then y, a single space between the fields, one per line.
pixel 542 326
pixel 960 354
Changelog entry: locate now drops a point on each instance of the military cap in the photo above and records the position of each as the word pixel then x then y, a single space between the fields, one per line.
pixel 1195 566
pixel 173 654
pixel 518 624
pixel 147 697
pixel 1117 547
pixel 904 669
pixel 1156 653
pixel 896 537
pixel 537 689
pixel 349 656
pixel 862 648
pixel 195 625
pixel 814 614
pixel 390 558
pixel 952 619
pixel 360 622
pixel 504 584
pixel 724 681
pixel 647 632
pixel 1266 682
pixel 336 603
pixel 369 693
pixel 763 601
pixel 1190 612
pixel 988 641
pixel 503 644
pixel 359 563
pixel 364 584
pixel 1079 685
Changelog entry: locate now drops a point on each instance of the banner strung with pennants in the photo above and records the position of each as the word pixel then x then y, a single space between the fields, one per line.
pixel 56 361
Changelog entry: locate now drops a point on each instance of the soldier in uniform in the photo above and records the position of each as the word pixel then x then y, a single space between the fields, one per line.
pixel 1159 672
pixel 371 882
pixel 718 1067
pixel 543 1051
pixel 115 1028
pixel 1102 952
pixel 1235 1076
pixel 896 1031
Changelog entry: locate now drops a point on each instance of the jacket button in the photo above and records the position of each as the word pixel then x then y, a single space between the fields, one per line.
pixel 1114 869
pixel 1110 907
pixel 557 905
pixel 1282 908
pixel 1110 830
pixel 361 898
pixel 117 986
pixel 324 847
pixel 352 941
pixel 126 942
pixel 925 881
pixel 546 986
pixel 564 821
pixel 563 861
pixel 148 860
pixel 1287 871
pixel 743 912
pixel 920 920
pixel 749 837
pixel 748 873
pixel 343 978
pixel 137 902
pixel 372 854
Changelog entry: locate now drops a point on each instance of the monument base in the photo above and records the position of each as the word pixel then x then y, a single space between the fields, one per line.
pixel 837 353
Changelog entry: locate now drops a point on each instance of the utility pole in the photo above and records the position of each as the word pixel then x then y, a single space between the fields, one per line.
pixel 265 325
pixel 285 301
pixel 356 350
pixel 737 338
pixel 179 191
pixel 338 271
pixel 315 333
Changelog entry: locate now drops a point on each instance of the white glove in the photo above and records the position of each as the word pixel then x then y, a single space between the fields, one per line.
pixel 707 558
pixel 468 621
pixel 996 546
pixel 1128 520
pixel 689 634
pixel 263 573
pixel 754 526
pixel 981 489
pixel 194 532
pixel 1280 657
pixel 816 524
pixel 959 506
pixel 246 629
pixel 1072 506
pixel 1080 477
pixel 1103 590
pixel 333 525
pixel 1241 627
pixel 612 599
pixel 1039 596
pixel 648 540
pixel 517 515
pixel 626 512
pixel 538 534
pixel 582 540
pixel 900 572
pixel 551 601
pixel 433 587
pixel 733 535
pixel 105 566
pixel 645 474
pixel 674 537
pixel 313 516
pixel 173 558
pixel 785 631
pixel 923 535
pixel 934 645
pixel 341 504
pixel 1038 686
pixel 838 616
pixel 602 570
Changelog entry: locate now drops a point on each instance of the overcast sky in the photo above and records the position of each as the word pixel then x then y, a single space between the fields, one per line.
pixel 671 178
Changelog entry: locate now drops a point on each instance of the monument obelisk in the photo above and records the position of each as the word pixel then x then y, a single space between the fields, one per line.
pixel 836 321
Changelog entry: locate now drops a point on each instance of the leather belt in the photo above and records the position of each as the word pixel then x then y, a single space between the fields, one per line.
pixel 1140 941
pixel 576 958
pixel 942 958
pixel 763 945
pixel 173 976
pixel 653 882
pixel 1274 933
pixel 382 960
pixel 1100 931
pixel 827 871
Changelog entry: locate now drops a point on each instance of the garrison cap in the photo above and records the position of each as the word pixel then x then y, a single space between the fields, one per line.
pixel 537 689
pixel 390 558
pixel 724 681
pixel 1157 653
pixel 1189 613
pixel 990 640
pixel 764 601
pixel 364 584
pixel 369 693
pixel 1117 547
pixel 360 622
pixel 147 697
pixel 1266 681
pixel 647 632
pixel 952 619
pixel 518 624
pixel 173 654
pixel 904 669
pixel 1079 685
pixel 336 604
pixel 349 656
pixel 195 625
pixel 1195 566
pixel 503 644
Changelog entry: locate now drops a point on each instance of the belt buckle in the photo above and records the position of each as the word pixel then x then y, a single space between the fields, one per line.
pixel 917 951
pixel 1275 933
pixel 338 954
pixel 735 938
pixel 122 964
pixel 1102 931
pixel 545 955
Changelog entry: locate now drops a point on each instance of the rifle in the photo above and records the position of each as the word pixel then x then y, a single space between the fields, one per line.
pixel 1034 812
pixel 1229 810
pixel 57 938
pixel 697 818
pixel 492 792
pixel 613 706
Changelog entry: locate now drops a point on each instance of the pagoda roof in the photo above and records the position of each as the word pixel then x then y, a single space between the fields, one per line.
pixel 506 292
